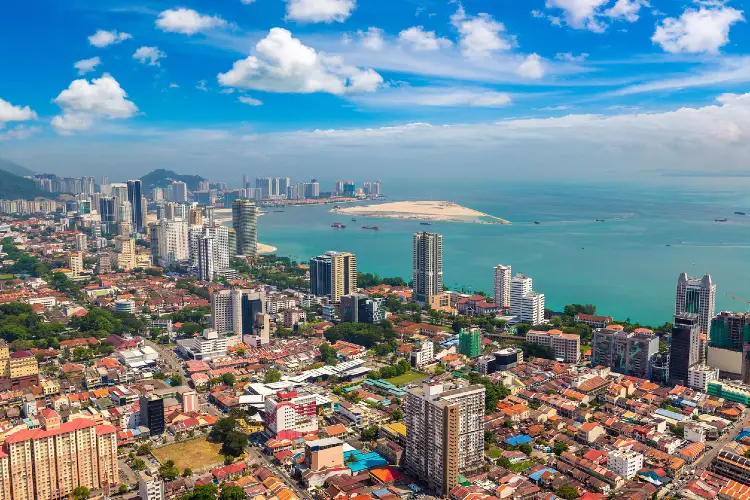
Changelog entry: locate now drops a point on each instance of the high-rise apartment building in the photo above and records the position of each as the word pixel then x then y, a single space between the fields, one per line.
pixel 525 303
pixel 564 346
pixel 206 258
pixel 51 461
pixel 291 414
pixel 444 434
pixel 697 296
pixel 135 198
pixel 359 308
pixel 685 348
pixel 179 192
pixel 630 353
pixel 245 225
pixel 520 285
pixel 75 262
pixel 729 345
pixel 195 217
pixel 333 274
pixel 107 214
pixel 241 312
pixel 470 342
pixel 81 242
pixel 503 278
pixel 427 266
pixel 169 241
pixel 152 414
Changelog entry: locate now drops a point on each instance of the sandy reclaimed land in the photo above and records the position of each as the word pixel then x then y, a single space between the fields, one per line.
pixel 439 211
pixel 266 249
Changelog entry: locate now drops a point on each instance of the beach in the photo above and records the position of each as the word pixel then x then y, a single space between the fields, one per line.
pixel 266 249
pixel 437 211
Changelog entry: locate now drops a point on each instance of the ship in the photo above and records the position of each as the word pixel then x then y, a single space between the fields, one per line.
pixel 599 220
pixel 354 220
pixel 740 213
pixel 278 211
pixel 375 228
pixel 338 225
pixel 425 224
pixel 336 206
pixel 721 220
pixel 537 222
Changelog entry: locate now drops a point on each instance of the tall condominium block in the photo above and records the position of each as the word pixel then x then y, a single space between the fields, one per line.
pixel 685 348
pixel 697 296
pixel 333 274
pixel 136 206
pixel 359 308
pixel 630 353
pixel 729 345
pixel 503 278
pixel 520 285
pixel 179 192
pixel 152 414
pixel 291 414
pixel 241 312
pixel 169 241
pixel 470 342
pixel 564 346
pixel 444 434
pixel 525 303
pixel 427 266
pixel 206 259
pixel 245 225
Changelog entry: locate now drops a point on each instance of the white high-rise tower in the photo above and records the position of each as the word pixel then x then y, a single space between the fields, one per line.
pixel 502 286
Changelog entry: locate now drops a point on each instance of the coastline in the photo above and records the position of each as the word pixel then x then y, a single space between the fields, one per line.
pixel 264 249
pixel 432 211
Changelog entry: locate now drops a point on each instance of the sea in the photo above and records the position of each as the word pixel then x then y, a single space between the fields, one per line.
pixel 627 265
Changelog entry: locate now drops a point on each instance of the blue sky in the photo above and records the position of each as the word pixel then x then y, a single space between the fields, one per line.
pixel 655 87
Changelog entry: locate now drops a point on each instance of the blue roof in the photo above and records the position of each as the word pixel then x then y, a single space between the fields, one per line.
pixel 670 414
pixel 538 474
pixel 363 461
pixel 517 440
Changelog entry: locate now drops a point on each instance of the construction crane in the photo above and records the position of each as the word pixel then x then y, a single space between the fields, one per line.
pixel 737 298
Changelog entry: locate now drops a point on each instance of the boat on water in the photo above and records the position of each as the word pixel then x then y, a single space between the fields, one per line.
pixel 338 225
pixel 537 222
pixel 740 213
pixel 374 228
pixel 425 223
pixel 669 245
pixel 354 220
pixel 721 220
pixel 278 211
pixel 336 206
pixel 599 220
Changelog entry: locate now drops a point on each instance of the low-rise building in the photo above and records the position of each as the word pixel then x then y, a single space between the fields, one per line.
pixel 699 377
pixel 564 346
pixel 625 463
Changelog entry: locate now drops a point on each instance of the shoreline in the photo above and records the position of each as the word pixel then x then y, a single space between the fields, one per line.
pixel 432 211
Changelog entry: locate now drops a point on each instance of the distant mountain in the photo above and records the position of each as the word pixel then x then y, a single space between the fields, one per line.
pixel 14 168
pixel 15 187
pixel 163 178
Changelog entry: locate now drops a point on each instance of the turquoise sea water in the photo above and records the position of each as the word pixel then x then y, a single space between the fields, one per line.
pixel 622 265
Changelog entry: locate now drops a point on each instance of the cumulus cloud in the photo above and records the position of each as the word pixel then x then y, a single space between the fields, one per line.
pixel 626 9
pixel 416 38
pixel 531 67
pixel 436 97
pixel 85 65
pixel 319 11
pixel 104 38
pixel 19 133
pixel 188 21
pixel 696 31
pixel 372 39
pixel 282 63
pixel 149 55
pixel 592 15
pixel 250 101
pixel 83 102
pixel 481 35
pixel 570 57
pixel 202 86
pixel 11 113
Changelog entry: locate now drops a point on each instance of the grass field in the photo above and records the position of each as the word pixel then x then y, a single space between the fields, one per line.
pixel 406 378
pixel 197 454
pixel 7 276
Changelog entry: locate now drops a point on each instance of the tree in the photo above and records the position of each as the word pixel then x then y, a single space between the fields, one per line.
pixel 567 492
pixel 272 376
pixel 123 488
pixel 370 433
pixel 559 448
pixel 232 493
pixel 397 415
pixel 526 448
pixel 187 472
pixel 234 443
pixel 228 379
pixel 221 429
pixel 139 464
pixel 328 354
pixel 175 380
pixel 203 492
pixel 169 470
pixel 81 493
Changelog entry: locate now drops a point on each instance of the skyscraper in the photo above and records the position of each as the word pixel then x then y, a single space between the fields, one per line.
pixel 107 212
pixel 136 205
pixel 502 286
pixel 241 312
pixel 684 352
pixel 697 296
pixel 179 192
pixel 245 225
pixel 206 259
pixel 444 434
pixel 520 285
pixel 169 241
pixel 729 347
pixel 427 266
pixel 333 274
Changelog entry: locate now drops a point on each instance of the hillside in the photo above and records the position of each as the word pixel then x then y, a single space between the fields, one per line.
pixel 163 178
pixel 14 168
pixel 14 187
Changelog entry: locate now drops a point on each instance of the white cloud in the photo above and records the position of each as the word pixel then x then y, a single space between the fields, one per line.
pixel 83 102
pixel 562 107
pixel 174 86
pixel 227 91
pixel 531 67
pixel 436 97
pixel 188 21
pixel 11 113
pixel 570 57
pixel 696 31
pixel 372 39
pixel 19 133
pixel 420 40
pixel 481 35
pixel 250 101
pixel 85 65
pixel 149 55
pixel 626 9
pixel 282 63
pixel 247 2
pixel 202 86
pixel 104 38
pixel 319 11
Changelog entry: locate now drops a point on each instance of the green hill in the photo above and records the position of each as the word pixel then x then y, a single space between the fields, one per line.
pixel 163 178
pixel 14 168
pixel 14 187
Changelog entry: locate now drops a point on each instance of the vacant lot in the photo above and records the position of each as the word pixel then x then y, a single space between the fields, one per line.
pixel 406 378
pixel 197 454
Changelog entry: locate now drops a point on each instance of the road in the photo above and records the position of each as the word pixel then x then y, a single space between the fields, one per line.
pixel 168 356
